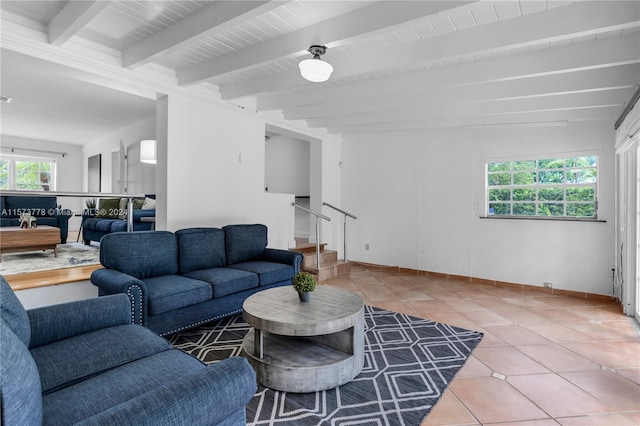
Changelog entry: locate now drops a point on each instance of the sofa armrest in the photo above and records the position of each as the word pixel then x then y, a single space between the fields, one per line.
pixel 57 322
pixel 283 256
pixel 205 397
pixel 110 281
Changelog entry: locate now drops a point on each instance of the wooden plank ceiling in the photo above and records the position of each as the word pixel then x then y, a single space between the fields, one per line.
pixel 398 65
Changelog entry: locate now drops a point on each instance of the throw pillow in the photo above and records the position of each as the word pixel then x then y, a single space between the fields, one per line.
pixel 137 204
pixel 122 212
pixel 149 204
pixel 108 208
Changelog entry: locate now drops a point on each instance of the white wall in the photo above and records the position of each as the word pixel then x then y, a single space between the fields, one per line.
pixel 141 177
pixel 215 171
pixel 287 165
pixel 419 197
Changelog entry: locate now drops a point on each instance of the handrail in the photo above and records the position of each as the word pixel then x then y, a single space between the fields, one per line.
pixel 340 210
pixel 85 195
pixel 317 215
pixel 313 212
pixel 344 238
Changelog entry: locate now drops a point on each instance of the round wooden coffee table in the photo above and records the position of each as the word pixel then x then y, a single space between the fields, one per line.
pixel 304 347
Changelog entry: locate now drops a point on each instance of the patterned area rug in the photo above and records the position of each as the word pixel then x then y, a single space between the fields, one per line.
pixel 408 364
pixel 69 255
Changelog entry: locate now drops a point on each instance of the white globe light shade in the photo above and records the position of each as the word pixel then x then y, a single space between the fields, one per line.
pixel 315 70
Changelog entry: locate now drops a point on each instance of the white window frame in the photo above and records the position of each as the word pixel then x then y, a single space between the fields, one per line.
pixel 537 186
pixel 12 170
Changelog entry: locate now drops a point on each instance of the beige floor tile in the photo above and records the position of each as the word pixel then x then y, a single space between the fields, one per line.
pixel 428 306
pixel 474 368
pixel 558 315
pixel 597 420
pixel 449 411
pixel 516 334
pixel 557 332
pixel 569 382
pixel 485 317
pixel 632 374
pixel 625 354
pixel 521 316
pixel 557 396
pixel 541 422
pixel 614 390
pixel 528 302
pixel 595 331
pixel 494 400
pixel 558 359
pixel 508 361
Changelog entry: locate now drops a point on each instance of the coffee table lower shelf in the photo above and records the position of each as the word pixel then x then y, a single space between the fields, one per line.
pixel 300 364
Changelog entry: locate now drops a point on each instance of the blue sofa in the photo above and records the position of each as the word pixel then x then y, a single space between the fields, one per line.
pixel 44 208
pixel 195 275
pixel 95 227
pixel 84 363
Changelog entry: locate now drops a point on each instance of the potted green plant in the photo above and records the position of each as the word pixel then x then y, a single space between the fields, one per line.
pixel 90 203
pixel 304 283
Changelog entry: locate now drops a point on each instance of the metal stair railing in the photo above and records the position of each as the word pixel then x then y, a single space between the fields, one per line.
pixel 318 216
pixel 346 214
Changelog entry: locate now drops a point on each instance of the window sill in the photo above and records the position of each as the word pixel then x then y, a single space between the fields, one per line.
pixel 560 219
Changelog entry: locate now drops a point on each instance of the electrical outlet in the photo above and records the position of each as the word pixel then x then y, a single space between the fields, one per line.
pixel 366 246
pixel 547 284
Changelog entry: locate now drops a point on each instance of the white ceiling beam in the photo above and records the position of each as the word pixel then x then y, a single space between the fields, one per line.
pixel 212 19
pixel 330 32
pixel 545 103
pixel 582 81
pixel 561 23
pixel 608 52
pixel 72 18
pixel 517 119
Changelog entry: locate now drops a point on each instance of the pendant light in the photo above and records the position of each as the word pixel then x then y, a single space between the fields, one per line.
pixel 315 69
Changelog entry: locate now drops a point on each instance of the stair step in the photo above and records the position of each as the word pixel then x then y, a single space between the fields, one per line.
pixel 326 257
pixel 330 270
pixel 306 248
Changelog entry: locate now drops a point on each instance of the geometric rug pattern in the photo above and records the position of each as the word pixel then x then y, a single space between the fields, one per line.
pixel 408 364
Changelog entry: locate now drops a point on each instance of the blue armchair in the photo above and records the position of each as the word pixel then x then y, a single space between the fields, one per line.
pixel 84 363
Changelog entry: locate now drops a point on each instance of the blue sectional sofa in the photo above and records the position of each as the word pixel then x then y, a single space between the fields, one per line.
pixel 45 209
pixel 96 226
pixel 83 363
pixel 195 275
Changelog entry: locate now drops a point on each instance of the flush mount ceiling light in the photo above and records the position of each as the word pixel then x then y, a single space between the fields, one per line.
pixel 315 69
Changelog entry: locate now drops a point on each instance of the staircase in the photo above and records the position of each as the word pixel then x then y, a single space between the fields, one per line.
pixel 330 266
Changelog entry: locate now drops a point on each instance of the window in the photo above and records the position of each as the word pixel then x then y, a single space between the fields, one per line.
pixel 551 187
pixel 19 173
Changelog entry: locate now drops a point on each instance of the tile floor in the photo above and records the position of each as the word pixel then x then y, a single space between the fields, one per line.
pixel 544 359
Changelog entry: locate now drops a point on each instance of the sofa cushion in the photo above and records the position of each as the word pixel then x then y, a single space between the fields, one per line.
pixel 9 221
pixel 268 272
pixel 68 361
pixel 13 314
pixel 105 225
pixel 117 386
pixel 226 281
pixel 244 242
pixel 201 248
pixel 36 205
pixel 141 254
pixel 19 381
pixel 169 292
pixel 108 207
